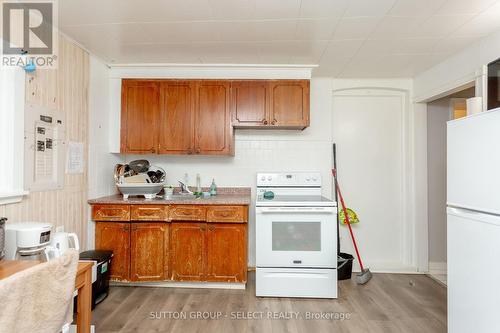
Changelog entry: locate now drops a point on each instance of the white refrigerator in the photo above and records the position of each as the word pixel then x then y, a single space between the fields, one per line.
pixel 474 223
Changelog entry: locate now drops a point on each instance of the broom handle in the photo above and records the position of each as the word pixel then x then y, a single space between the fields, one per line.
pixel 347 218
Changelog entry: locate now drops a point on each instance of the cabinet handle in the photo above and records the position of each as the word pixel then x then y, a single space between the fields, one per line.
pixel 202 228
pixel 198 150
pixel 190 151
pixel 125 229
pixel 273 122
pixel 265 121
pixel 153 150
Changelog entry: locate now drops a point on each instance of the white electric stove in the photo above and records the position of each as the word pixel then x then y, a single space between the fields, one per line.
pixel 296 237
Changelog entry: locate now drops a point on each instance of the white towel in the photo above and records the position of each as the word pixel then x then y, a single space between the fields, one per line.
pixel 39 299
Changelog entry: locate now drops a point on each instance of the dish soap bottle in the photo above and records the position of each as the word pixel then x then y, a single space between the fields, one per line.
pixel 198 184
pixel 213 188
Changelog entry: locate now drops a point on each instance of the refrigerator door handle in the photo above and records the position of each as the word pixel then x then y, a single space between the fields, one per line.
pixel 475 215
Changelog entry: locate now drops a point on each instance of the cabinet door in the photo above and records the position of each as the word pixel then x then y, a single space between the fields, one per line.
pixel 176 117
pixel 214 132
pixel 249 103
pixel 226 252
pixel 139 118
pixel 115 236
pixel 289 103
pixel 149 251
pixel 187 250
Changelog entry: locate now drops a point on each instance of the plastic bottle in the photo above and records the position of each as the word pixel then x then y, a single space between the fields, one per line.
pixel 213 188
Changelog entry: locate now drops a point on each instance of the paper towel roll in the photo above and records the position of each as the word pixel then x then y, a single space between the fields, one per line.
pixel 474 105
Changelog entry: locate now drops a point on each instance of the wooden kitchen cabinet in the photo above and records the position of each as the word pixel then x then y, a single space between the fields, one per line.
pixel 226 252
pixel 187 250
pixel 177 117
pixel 139 119
pixel 149 251
pixel 270 104
pixel 250 103
pixel 213 130
pixel 115 236
pixel 289 103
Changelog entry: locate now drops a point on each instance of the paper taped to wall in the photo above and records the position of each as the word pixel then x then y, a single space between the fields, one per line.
pixel 75 161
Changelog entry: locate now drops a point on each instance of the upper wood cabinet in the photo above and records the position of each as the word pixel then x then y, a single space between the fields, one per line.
pixel 270 104
pixel 250 103
pixel 214 133
pixel 289 103
pixel 197 116
pixel 139 120
pixel 177 117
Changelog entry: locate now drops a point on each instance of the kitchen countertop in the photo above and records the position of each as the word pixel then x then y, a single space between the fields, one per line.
pixel 226 196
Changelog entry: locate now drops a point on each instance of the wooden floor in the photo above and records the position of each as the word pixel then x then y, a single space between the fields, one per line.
pixel 388 303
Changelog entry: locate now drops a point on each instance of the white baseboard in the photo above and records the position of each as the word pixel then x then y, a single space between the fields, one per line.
pixel 437 267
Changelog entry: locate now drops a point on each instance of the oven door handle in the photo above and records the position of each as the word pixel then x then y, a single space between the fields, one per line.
pixel 309 210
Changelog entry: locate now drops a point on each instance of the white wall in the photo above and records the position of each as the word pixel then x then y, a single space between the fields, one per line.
pixel 458 70
pixel 101 162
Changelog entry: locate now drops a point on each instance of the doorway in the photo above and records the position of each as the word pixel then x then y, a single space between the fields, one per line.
pixel 439 112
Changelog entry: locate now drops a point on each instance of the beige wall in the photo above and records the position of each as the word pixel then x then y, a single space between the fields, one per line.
pixel 64 89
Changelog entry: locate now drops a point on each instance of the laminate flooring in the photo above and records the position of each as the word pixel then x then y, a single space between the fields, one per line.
pixel 388 303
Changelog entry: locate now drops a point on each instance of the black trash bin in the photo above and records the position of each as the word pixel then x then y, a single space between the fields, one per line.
pixel 100 287
pixel 344 266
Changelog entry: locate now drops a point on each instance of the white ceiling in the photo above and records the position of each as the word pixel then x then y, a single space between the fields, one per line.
pixel 347 38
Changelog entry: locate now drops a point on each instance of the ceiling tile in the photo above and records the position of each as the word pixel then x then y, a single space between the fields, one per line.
pixel 339 49
pixel 483 24
pixel 277 9
pixel 232 9
pixel 356 27
pixel 452 45
pixel 368 8
pixel 399 46
pixel 293 51
pixel 397 27
pixel 415 8
pixel 440 26
pixel 314 29
pixel 452 7
pixel 75 12
pixel 323 8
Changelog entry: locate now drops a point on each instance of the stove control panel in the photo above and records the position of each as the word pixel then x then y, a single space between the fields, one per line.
pixel 289 179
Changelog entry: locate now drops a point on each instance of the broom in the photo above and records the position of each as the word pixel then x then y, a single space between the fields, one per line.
pixel 365 275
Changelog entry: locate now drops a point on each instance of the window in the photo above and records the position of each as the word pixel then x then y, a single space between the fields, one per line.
pixel 12 87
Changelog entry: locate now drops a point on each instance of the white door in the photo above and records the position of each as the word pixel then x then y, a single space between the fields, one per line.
pixel 368 128
pixel 473 272
pixel 474 162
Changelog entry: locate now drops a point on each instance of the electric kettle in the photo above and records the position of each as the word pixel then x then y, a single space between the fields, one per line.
pixel 60 243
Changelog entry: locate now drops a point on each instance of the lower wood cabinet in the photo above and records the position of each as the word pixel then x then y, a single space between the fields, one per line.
pixel 213 249
pixel 115 236
pixel 149 251
pixel 226 252
pixel 187 249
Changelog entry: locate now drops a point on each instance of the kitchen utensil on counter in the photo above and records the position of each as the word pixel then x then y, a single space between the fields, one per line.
pixel 3 220
pixel 149 191
pixel 139 166
pixel 157 174
pixel 60 243
pixel 27 240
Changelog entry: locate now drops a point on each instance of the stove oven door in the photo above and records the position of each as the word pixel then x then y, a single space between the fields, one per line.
pixel 296 237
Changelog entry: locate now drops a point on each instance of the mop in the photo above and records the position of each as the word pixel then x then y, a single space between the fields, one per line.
pixel 365 275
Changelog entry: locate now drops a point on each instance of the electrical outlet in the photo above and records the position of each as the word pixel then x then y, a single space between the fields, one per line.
pixel 60 228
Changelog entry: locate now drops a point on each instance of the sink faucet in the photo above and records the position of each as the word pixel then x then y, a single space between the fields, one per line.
pixel 184 188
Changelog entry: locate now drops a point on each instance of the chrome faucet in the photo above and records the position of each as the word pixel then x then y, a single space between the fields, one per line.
pixel 184 188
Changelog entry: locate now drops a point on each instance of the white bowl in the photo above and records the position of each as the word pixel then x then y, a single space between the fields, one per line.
pixel 149 191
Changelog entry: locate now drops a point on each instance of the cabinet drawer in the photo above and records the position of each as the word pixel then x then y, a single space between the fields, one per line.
pixel 149 213
pixel 111 213
pixel 227 214
pixel 187 213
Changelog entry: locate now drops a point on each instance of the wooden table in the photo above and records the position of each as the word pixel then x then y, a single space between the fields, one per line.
pixel 83 283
